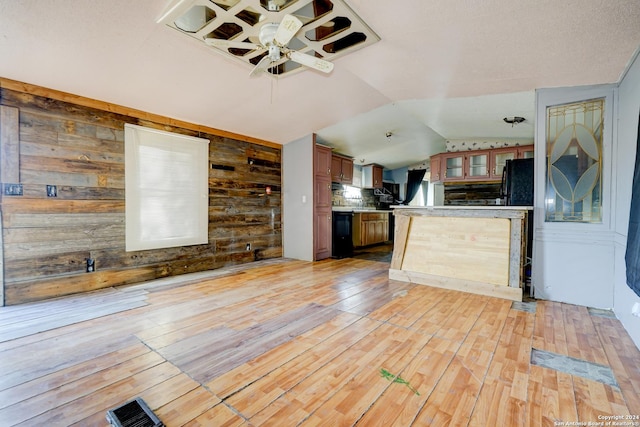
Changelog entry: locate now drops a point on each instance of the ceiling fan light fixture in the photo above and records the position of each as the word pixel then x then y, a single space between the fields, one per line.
pixel 236 28
pixel 514 120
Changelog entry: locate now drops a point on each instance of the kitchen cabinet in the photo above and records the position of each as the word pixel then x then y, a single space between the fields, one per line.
pixel 322 158
pixel 341 169
pixel 435 169
pixel 526 152
pixel 372 176
pixel 453 167
pixel 477 165
pixel 322 202
pixel 499 157
pixel 370 228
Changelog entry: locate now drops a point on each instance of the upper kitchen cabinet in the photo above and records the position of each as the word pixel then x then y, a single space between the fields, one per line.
pixel 499 157
pixel 525 152
pixel 435 167
pixel 477 165
pixel 372 176
pixel 453 167
pixel 322 160
pixel 341 169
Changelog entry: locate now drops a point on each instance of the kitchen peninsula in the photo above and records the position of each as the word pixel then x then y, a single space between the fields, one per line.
pixel 475 249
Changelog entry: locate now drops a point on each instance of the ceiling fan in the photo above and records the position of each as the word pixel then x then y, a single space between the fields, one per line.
pixel 274 38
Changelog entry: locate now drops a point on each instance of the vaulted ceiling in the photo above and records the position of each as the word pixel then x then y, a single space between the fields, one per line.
pixel 442 70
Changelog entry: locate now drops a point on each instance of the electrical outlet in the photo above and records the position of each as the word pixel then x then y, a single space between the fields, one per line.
pixel 52 191
pixel 248 246
pixel 13 189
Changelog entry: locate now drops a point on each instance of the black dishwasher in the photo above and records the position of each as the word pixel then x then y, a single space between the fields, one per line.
pixel 342 242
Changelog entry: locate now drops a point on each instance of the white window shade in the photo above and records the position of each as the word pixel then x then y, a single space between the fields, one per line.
pixel 166 189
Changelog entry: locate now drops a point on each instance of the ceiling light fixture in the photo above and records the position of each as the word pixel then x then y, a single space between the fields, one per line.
pixel 513 120
pixel 388 135
pixel 329 30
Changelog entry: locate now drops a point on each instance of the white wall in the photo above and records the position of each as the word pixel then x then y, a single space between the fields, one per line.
pixel 626 136
pixel 297 199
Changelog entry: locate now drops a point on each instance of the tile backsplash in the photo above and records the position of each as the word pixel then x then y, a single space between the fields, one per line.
pixel 366 199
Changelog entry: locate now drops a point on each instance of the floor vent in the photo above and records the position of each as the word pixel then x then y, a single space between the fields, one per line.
pixel 133 414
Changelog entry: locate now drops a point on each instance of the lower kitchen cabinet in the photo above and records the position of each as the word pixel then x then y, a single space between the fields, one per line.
pixel 370 228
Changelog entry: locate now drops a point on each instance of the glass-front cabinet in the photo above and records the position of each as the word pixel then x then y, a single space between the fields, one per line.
pixel 525 152
pixel 499 159
pixel 453 165
pixel 479 165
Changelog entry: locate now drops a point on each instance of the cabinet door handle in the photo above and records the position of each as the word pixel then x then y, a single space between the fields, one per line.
pixel 328 186
pixel 328 171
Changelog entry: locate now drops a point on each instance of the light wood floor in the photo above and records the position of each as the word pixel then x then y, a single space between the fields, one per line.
pixel 286 343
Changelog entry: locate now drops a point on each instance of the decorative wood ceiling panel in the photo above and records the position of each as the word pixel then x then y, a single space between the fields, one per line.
pixel 330 28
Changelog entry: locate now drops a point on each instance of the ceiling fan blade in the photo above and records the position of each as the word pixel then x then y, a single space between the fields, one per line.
pixel 225 44
pixel 287 29
pixel 311 61
pixel 261 66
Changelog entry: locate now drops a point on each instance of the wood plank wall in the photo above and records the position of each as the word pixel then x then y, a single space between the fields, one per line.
pixel 49 138
pixel 471 194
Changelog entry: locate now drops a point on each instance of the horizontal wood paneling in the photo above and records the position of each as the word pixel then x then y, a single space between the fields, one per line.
pixel 78 146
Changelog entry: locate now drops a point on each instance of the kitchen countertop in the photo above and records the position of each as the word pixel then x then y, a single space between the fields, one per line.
pixel 487 207
pixel 359 210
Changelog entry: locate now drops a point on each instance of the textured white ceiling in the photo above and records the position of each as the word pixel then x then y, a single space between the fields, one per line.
pixel 444 69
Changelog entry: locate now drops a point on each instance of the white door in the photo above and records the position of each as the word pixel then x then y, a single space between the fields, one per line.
pixel 573 249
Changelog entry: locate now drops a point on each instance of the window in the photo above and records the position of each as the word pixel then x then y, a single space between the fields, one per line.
pixel 574 162
pixel 166 189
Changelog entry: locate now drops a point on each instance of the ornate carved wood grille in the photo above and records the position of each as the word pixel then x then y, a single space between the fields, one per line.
pixel 574 162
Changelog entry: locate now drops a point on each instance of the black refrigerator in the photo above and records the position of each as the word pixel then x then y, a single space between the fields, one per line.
pixel 517 182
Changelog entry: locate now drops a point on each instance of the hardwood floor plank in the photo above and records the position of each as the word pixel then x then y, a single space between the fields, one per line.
pixel 623 357
pixel 54 380
pixel 105 398
pixel 549 331
pixel 349 403
pixel 426 297
pixel 306 396
pixel 291 343
pixel 594 399
pixel 267 390
pixel 31 365
pixel 252 371
pixel 187 407
pixel 453 399
pixel 79 388
pixel 219 416
pixel 236 348
pixel 544 406
pixel 156 396
pixel 582 343
pixel 395 408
